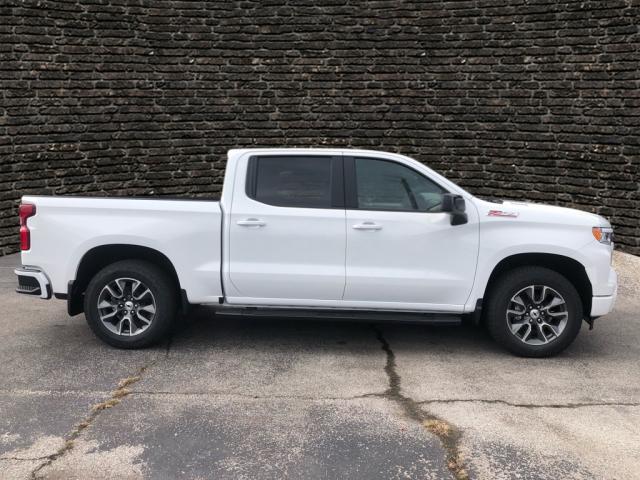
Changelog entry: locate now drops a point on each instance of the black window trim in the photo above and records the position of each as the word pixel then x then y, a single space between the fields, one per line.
pixel 351 185
pixel 337 179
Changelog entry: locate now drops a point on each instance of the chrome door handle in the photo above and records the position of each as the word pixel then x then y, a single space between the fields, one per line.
pixel 251 222
pixel 367 226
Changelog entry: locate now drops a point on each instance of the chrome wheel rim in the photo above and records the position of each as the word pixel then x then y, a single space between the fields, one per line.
pixel 126 307
pixel 537 315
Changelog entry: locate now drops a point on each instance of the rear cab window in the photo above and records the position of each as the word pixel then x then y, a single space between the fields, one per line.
pixel 302 181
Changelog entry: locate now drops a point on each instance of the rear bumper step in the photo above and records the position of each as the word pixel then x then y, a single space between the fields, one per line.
pixel 32 281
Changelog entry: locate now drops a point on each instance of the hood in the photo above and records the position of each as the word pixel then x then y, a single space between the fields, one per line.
pixel 538 213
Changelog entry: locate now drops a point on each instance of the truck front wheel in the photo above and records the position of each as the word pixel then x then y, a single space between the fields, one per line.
pixel 534 312
pixel 130 304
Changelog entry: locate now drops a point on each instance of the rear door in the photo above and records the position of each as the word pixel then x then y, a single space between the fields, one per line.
pixel 287 230
pixel 402 251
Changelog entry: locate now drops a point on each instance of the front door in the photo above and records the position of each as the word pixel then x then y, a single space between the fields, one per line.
pixel 402 251
pixel 287 231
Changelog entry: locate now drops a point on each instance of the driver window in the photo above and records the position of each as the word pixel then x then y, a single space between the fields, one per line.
pixel 385 185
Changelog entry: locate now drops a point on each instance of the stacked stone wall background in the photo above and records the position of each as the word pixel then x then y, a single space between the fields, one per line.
pixel 521 99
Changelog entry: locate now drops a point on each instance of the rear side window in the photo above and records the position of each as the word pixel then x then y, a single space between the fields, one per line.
pixel 292 181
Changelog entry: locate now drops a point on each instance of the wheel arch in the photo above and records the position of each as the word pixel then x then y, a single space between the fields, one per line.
pixel 99 257
pixel 568 267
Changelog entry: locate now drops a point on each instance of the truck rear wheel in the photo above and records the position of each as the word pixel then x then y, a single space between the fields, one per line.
pixel 534 312
pixel 130 304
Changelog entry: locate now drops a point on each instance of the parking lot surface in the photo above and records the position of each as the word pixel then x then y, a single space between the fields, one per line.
pixel 235 397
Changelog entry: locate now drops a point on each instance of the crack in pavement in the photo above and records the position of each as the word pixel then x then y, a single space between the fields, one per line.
pixel 186 394
pixel 115 398
pixel 252 396
pixel 24 459
pixel 531 405
pixel 54 392
pixel 205 393
pixel 448 434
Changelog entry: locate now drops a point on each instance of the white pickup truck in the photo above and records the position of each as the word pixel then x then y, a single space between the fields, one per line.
pixel 339 233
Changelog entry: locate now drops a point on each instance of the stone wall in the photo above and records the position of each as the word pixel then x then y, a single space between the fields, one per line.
pixel 525 99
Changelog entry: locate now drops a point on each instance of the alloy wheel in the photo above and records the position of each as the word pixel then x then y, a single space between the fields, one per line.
pixel 126 306
pixel 537 315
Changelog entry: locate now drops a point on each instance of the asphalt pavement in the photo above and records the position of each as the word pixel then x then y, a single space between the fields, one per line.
pixel 235 397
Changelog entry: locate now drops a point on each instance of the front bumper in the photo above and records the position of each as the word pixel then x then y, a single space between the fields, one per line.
pixel 603 304
pixel 32 281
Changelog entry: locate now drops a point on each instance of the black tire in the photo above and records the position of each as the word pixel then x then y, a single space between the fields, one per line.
pixel 512 282
pixel 164 294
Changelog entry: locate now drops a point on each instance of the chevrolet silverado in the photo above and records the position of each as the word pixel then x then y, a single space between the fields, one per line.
pixel 322 232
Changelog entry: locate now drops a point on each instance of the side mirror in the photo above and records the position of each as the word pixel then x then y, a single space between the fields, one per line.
pixel 454 204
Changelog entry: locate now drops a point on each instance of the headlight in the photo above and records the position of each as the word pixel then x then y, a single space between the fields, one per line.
pixel 603 234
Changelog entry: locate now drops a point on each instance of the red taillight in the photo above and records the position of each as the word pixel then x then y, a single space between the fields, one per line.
pixel 26 210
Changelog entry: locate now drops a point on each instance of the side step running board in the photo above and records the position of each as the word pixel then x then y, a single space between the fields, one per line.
pixel 442 318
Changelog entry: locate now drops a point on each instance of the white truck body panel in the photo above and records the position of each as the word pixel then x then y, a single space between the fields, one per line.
pixel 536 228
pixel 188 233
pixel 413 258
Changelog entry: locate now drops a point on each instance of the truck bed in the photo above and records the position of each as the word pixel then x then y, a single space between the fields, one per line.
pixel 186 231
